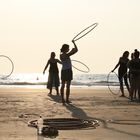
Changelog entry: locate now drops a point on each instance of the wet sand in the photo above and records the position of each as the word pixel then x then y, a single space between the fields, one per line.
pixel 118 117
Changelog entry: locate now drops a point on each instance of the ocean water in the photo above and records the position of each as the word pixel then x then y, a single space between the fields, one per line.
pixel 38 79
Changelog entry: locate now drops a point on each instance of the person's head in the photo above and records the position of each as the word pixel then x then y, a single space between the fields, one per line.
pixel 126 54
pixel 136 53
pixel 65 48
pixel 52 54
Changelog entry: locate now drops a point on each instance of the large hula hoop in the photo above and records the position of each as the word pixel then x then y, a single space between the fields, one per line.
pixel 93 26
pixel 108 76
pixel 12 68
pixel 66 123
pixel 83 65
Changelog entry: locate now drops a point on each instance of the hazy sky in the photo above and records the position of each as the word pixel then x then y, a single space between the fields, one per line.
pixel 31 29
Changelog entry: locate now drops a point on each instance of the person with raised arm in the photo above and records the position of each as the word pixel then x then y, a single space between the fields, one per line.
pixel 66 72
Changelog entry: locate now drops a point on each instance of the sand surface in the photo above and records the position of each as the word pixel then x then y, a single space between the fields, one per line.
pixel 119 118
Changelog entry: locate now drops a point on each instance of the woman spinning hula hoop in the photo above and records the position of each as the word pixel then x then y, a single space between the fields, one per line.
pixel 66 72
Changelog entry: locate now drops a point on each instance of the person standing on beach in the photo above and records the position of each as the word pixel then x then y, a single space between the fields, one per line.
pixel 135 91
pixel 122 71
pixel 66 72
pixel 134 70
pixel 53 77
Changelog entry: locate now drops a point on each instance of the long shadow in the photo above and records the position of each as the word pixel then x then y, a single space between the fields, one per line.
pixel 80 113
pixel 56 98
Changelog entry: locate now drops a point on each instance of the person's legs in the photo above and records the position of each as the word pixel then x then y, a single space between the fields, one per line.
pixel 62 91
pixel 68 91
pixel 138 87
pixel 50 90
pixel 121 85
pixel 49 83
pixel 139 94
pixel 57 90
pixel 133 87
pixel 126 83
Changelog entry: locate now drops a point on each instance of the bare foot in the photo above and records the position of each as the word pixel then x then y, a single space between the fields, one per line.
pixel 122 96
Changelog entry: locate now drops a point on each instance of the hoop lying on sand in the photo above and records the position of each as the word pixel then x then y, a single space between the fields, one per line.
pixel 85 32
pixel 66 123
pixel 12 67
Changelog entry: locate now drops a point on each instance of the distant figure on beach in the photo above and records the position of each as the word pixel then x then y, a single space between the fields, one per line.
pixel 134 70
pixel 53 77
pixel 122 71
pixel 66 72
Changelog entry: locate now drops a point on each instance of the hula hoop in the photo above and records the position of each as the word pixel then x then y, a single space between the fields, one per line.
pixel 125 122
pixel 83 65
pixel 93 26
pixel 108 76
pixel 66 123
pixel 12 68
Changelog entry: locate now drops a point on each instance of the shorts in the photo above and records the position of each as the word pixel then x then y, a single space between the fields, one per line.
pixel 66 75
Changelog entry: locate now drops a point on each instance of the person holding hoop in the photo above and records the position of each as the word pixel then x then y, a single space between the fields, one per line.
pixel 122 72
pixel 66 72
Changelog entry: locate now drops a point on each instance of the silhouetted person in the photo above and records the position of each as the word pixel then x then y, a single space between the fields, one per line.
pixel 122 71
pixel 135 91
pixel 53 77
pixel 66 72
pixel 134 69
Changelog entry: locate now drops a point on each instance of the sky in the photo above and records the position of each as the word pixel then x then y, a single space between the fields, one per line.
pixel 31 29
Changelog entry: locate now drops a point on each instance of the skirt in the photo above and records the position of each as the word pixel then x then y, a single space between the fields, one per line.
pixel 53 80
pixel 66 75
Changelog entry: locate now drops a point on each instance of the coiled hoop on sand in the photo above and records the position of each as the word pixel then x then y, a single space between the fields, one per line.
pixel 66 123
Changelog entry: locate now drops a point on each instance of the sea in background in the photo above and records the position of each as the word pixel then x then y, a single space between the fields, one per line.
pixel 35 80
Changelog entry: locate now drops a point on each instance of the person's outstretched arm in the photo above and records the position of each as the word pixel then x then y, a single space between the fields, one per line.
pixel 46 67
pixel 58 61
pixel 116 66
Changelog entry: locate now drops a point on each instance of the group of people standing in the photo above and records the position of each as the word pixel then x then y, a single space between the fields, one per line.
pixel 66 71
pixel 129 70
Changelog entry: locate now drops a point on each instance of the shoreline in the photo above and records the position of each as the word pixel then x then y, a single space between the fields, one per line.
pixel 44 86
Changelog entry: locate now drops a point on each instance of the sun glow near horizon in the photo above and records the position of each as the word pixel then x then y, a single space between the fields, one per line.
pixel 31 29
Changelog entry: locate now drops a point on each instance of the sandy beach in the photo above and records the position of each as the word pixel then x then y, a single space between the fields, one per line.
pixel 118 117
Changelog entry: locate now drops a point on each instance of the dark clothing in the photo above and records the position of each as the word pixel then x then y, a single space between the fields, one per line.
pixel 53 78
pixel 123 67
pixel 66 75
pixel 134 66
pixel 53 67
pixel 122 73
